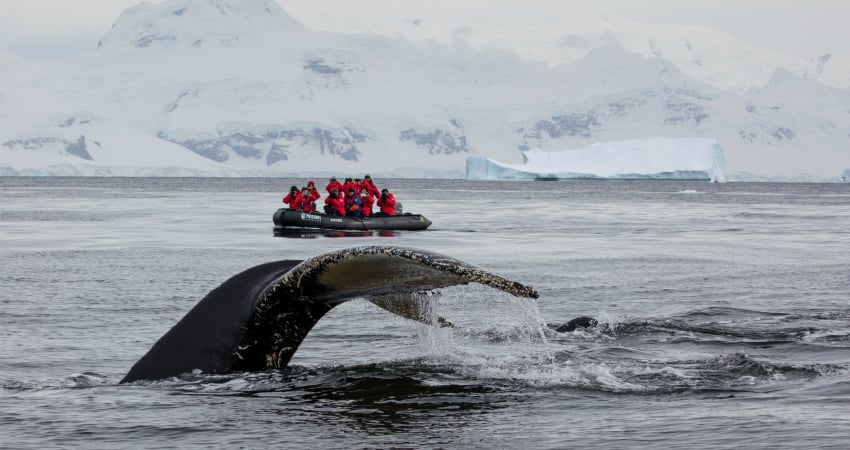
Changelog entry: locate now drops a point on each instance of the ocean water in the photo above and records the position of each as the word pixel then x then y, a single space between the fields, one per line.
pixel 724 315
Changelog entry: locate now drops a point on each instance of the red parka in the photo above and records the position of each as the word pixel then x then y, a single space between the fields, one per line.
pixel 366 202
pixel 387 206
pixel 314 194
pixel 373 191
pixel 292 199
pixel 349 185
pixel 333 185
pixel 336 203
pixel 305 203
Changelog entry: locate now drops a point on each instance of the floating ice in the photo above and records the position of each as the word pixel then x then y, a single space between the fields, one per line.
pixel 644 159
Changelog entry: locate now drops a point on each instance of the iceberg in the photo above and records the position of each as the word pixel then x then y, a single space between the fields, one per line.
pixel 639 159
pixel 845 176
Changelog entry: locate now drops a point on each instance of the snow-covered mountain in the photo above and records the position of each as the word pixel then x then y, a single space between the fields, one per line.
pixel 238 87
pixel 704 53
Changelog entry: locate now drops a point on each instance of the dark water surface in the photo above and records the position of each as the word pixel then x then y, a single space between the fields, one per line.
pixel 724 309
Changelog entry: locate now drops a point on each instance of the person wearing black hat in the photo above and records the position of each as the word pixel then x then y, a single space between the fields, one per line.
pixel 370 186
pixel 349 184
pixel 386 202
pixel 352 203
pixel 335 203
pixel 292 197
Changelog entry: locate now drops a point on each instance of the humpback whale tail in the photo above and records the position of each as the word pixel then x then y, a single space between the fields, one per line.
pixel 257 319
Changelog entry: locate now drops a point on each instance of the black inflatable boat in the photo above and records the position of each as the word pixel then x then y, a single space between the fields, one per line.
pixel 290 219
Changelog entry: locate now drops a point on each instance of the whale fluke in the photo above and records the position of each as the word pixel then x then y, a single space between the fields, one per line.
pixel 257 319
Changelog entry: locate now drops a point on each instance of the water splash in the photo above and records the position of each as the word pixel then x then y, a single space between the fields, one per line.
pixel 82 380
pixel 495 335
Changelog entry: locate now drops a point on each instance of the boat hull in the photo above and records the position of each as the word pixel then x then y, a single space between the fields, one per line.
pixel 290 219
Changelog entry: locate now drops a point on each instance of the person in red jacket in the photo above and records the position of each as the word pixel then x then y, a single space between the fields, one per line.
pixel 314 193
pixel 387 203
pixel 349 184
pixel 306 202
pixel 335 204
pixel 366 203
pixel 373 190
pixel 311 186
pixel 333 185
pixel 292 197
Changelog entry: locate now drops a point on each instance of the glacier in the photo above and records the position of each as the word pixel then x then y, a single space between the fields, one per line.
pixel 637 159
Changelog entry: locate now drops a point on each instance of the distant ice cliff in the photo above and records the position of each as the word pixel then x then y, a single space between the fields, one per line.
pixel 651 159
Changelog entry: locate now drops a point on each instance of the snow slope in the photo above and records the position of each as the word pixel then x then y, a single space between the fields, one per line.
pixel 239 88
pixel 706 54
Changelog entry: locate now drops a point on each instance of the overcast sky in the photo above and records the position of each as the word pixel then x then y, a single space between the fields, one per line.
pixel 809 28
